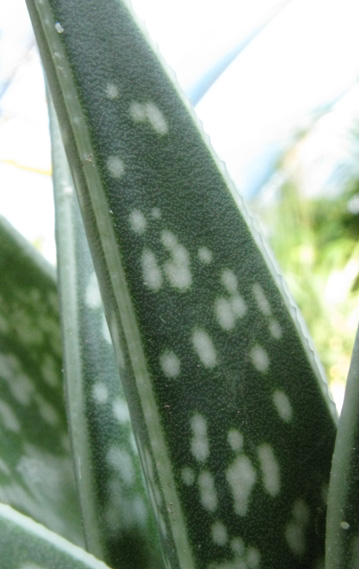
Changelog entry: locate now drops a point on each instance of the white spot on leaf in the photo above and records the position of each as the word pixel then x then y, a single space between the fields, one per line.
pixel 100 393
pixel 241 477
pixel 152 276
pixel 149 112
pixel 275 329
pixel 177 269
pixel 253 558
pixel 296 528
pixel 261 299
pixel 270 469
pixel 204 347
pixel 225 317
pixel 219 533
pixel 170 364
pixel 229 281
pixel 229 309
pixel 208 494
pixel 235 440
pixel 199 441
pixel 156 213
pixel 188 476
pixel 238 546
pixel 111 91
pixel 115 166
pixel 121 461
pixel 283 405
pixel 138 221
pixel 205 255
pixel 259 358
pixel 120 410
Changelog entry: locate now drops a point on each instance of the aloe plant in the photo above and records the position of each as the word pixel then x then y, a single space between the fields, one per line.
pixel 230 417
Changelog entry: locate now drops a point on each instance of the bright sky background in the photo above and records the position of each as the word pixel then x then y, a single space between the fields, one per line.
pixel 306 57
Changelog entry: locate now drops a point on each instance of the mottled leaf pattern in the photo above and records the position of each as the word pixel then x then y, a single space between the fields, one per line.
pixel 36 470
pixel 118 519
pixel 230 409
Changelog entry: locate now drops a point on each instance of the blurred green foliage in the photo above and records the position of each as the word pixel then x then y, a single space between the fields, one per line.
pixel 316 242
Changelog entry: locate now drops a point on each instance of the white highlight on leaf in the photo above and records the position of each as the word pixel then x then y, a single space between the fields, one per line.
pixel 137 221
pixel 177 268
pixel 77 554
pixel 188 476
pixel 152 276
pixel 208 494
pixel 111 91
pixel 149 112
pixel 296 528
pixel 270 469
pixel 204 347
pixel 205 255
pixel 241 477
pixel 170 364
pixel 100 393
pixel 8 418
pixel 92 294
pixel 59 28
pixel 115 166
pixel 283 406
pixel 259 358
pixel 219 533
pixel 261 299
pixel 199 441
pixel 105 330
pixel 235 440
pixel 120 410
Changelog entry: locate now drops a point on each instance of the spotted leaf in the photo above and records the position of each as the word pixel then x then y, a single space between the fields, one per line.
pixel 229 405
pixel 36 470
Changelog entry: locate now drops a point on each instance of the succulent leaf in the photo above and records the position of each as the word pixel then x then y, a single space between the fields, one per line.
pixel 230 408
pixel 25 544
pixel 36 470
pixel 342 541
pixel 118 520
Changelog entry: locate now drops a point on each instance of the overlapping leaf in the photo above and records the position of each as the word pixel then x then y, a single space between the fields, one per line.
pixel 25 544
pixel 36 470
pixel 118 520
